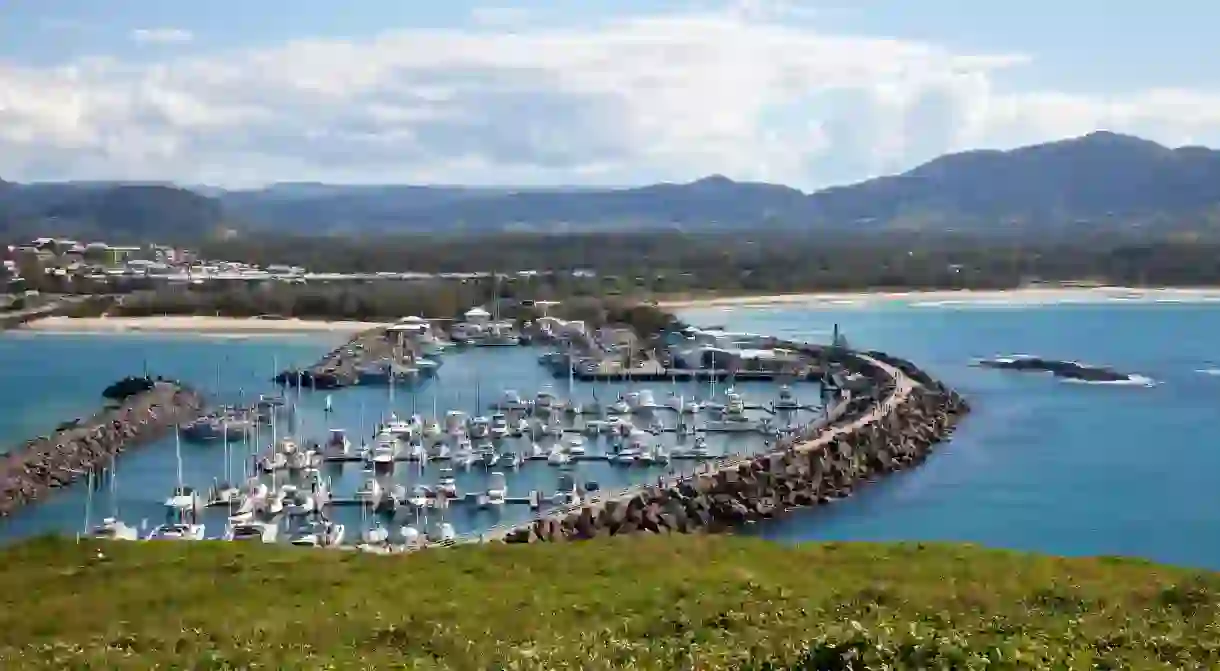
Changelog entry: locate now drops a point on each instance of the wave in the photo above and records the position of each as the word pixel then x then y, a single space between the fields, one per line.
pixel 1131 381
pixel 1208 371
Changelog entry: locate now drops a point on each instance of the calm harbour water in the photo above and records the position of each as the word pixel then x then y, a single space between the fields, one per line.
pixel 1041 464
pixel 229 369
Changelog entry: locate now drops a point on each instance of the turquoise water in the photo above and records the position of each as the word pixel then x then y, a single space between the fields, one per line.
pixel 71 371
pixel 1041 464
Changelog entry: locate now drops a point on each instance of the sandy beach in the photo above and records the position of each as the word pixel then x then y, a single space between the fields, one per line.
pixel 1029 296
pixel 194 325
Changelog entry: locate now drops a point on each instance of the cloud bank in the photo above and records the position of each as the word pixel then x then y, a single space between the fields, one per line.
pixel 629 100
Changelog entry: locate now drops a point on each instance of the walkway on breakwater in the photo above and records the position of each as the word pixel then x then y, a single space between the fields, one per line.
pixel 341 366
pixel 828 432
pixel 31 471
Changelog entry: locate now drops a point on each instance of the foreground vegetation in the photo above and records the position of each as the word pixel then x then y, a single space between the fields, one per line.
pixel 642 603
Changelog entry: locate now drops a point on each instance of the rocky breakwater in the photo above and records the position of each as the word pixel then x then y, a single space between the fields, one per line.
pixel 894 426
pixel 139 409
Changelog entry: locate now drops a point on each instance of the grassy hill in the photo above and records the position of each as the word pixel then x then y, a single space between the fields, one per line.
pixel 641 603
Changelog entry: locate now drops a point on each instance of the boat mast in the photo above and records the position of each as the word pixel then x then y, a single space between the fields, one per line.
pixel 178 454
pixel 88 498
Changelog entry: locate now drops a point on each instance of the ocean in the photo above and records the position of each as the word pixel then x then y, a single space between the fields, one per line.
pixel 1041 464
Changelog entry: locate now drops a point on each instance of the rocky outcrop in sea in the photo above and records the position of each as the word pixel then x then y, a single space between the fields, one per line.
pixel 149 407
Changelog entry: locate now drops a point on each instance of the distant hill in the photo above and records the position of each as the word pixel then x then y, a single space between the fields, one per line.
pixel 115 213
pixel 1100 182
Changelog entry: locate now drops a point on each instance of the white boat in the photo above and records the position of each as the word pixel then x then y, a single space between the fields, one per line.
pixel 692 408
pixel 546 400
pixel 734 404
pixel 595 426
pixel 514 460
pixel 396 427
pixel 300 460
pixel 416 450
pixel 377 535
pixel 114 530
pixel 446 483
pixel 511 400
pixel 185 499
pixel 786 400
pixel 386 448
pixel 181 508
pixel 441 532
pixel 490 457
pixel 321 533
pixel 659 456
pixel 177 531
pixel 700 448
pixel 410 536
pixel 674 402
pixel 499 426
pixel 620 407
pixel 522 428
pixel 575 445
pixel 370 492
pixel 264 532
pixel 497 489
pixel 463 455
pixel 644 401
pixel 553 429
pixel 296 501
pixel 557 457
pixel 626 456
pixel 480 427
pixel 432 429
pixel 275 461
pixel 455 423
pixel 337 444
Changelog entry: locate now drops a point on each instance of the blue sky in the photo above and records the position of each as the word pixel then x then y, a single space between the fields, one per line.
pixel 808 93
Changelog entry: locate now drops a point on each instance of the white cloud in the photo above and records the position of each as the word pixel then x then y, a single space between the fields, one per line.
pixel 161 35
pixel 631 100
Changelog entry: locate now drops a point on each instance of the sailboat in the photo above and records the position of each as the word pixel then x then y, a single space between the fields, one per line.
pixel 182 509
pixel 111 528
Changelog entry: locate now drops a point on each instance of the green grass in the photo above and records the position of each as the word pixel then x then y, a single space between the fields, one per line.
pixel 640 603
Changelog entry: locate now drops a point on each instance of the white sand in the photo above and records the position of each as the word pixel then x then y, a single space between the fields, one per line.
pixel 1030 296
pixel 200 325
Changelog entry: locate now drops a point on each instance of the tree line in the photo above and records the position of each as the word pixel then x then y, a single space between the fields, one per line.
pixel 675 262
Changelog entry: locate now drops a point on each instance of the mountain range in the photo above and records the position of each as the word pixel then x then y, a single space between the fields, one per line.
pixel 1099 182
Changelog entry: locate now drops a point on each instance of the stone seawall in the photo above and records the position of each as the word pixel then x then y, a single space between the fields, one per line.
pixel 31 471
pixel 893 426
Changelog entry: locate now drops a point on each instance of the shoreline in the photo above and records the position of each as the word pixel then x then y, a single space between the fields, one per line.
pixel 934 298
pixel 192 325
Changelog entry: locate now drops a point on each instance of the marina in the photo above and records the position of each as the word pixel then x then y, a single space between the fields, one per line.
pixel 498 456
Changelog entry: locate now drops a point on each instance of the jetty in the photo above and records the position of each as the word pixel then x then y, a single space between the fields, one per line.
pixel 892 425
pixel 341 366
pixel 140 409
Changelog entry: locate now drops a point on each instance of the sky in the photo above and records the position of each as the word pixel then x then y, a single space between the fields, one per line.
pixel 616 92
